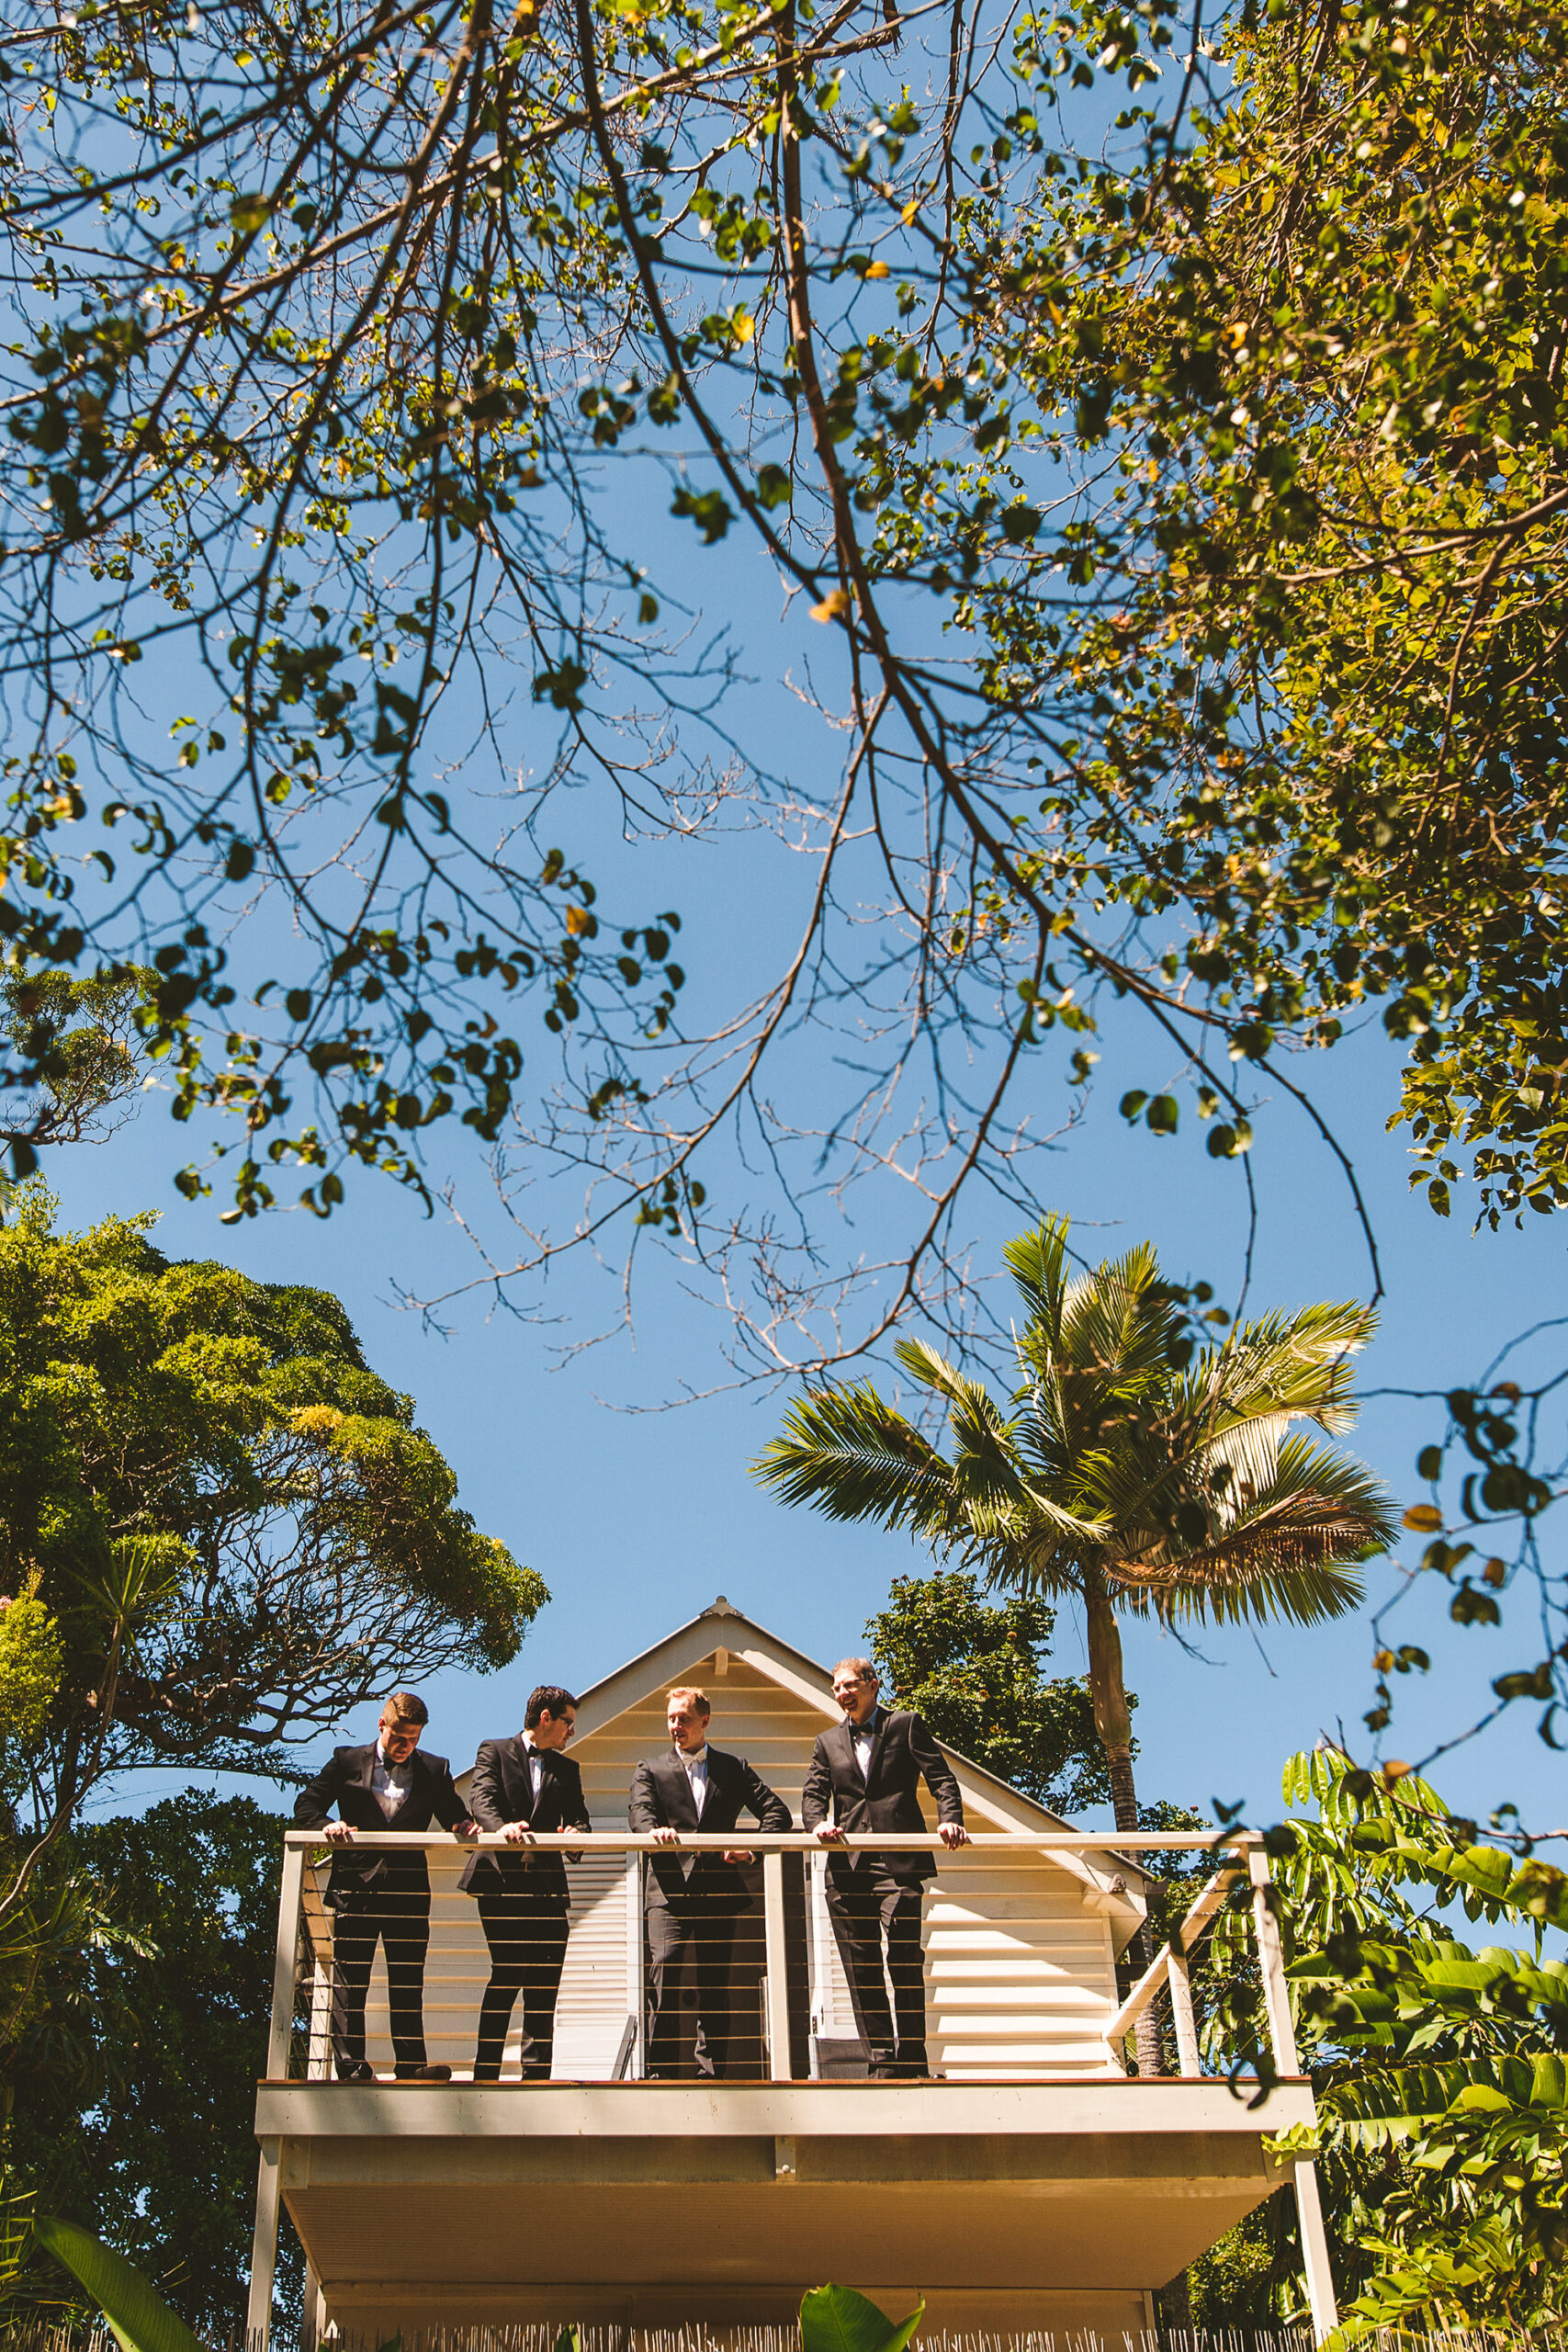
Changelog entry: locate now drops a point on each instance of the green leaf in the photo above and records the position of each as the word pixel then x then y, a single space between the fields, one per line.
pixel 836 2319
pixel 250 214
pixel 141 2319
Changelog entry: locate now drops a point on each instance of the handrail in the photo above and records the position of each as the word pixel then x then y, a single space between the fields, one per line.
pixel 1168 1967
pixel 797 1841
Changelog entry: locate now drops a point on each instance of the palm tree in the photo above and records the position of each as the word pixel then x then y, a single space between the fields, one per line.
pixel 1135 1473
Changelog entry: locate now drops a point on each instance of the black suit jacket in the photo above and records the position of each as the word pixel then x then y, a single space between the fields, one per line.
pixel 503 1791
pixel 661 1799
pixel 888 1797
pixel 361 1876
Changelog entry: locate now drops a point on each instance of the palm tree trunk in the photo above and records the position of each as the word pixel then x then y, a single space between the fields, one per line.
pixel 1113 1722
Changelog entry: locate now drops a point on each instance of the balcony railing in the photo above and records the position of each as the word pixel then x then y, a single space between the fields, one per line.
pixel 1019 1967
pixel 1019 1959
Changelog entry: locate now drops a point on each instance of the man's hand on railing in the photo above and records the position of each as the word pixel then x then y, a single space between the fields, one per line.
pixel 953 1833
pixel 666 1837
pixel 466 1827
pixel 518 1833
pixel 830 1833
pixel 338 1833
pixel 738 1854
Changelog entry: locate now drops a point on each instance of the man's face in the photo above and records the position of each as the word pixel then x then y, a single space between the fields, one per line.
pixel 688 1727
pixel 399 1739
pixel 857 1698
pixel 553 1731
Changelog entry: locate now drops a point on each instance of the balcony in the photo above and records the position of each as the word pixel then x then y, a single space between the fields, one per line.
pixel 1030 2183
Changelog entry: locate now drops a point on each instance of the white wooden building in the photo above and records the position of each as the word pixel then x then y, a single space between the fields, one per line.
pixel 1034 2184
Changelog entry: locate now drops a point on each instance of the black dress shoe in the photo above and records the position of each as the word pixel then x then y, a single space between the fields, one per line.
pixel 423 2073
pixel 359 2070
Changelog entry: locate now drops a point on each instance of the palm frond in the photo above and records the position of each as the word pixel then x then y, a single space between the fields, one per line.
pixel 1291 1552
pixel 1295 1362
pixel 1035 1262
pixel 853 1458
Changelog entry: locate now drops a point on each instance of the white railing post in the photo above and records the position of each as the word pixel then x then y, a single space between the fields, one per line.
pixel 1181 2014
pixel 263 2248
pixel 284 1964
pixel 778 1967
pixel 1287 2061
pixel 636 1989
pixel 319 2054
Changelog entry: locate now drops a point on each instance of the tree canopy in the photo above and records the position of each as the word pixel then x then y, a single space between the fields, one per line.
pixel 1438 2066
pixel 1203 378
pixel 135 2070
pixel 221 1530
pixel 976 1670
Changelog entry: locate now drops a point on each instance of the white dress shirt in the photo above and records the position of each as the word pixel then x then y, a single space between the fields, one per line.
pixel 861 1736
pixel 696 1769
pixel 535 1766
pixel 389 1783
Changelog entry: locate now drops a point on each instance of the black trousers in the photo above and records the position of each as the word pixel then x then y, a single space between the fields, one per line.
pixel 709 1937
pixel 402 1922
pixel 526 1935
pixel 865 1910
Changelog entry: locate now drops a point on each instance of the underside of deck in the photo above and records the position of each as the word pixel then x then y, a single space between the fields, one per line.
pixel 1010 2205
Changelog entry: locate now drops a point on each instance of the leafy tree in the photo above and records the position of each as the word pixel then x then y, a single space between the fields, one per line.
pixel 1130 1474
pixel 1231 426
pixel 222 1529
pixel 77 1040
pixel 1440 2070
pixel 976 1671
pixel 136 2073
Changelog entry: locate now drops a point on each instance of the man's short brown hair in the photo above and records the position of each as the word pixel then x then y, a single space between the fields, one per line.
pixel 699 1698
pixel 406 1707
pixel 861 1668
pixel 550 1699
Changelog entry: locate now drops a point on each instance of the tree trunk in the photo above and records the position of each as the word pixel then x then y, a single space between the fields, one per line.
pixel 1113 1722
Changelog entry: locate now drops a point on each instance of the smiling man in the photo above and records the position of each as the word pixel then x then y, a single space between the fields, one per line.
pixel 376 1894
pixel 694 1901
pixel 868 1770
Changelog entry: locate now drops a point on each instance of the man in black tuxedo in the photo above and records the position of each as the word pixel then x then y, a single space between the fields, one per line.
pixel 386 1784
pixel 694 1901
pixel 527 1788
pixel 868 1768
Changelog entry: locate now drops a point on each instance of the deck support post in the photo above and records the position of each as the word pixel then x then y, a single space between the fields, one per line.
pixel 1314 2250
pixel 1282 2035
pixel 312 2313
pixel 778 1967
pixel 263 2247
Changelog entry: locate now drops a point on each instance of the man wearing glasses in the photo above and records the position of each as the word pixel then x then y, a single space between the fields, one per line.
pixel 868 1770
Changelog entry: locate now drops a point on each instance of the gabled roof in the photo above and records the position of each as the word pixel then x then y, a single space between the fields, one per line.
pixel 1113 1880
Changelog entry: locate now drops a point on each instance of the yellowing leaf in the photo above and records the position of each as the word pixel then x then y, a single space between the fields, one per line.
pixel 876 269
pixel 1423 1519
pixel 578 919
pixel 834 605
pixel 909 210
pixel 744 324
